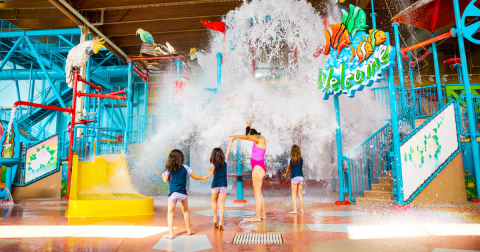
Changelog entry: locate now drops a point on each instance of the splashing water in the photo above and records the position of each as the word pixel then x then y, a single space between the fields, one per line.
pixel 281 99
pixel 8 202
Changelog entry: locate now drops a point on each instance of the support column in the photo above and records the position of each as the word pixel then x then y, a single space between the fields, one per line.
pixel 468 96
pixel 219 70
pixel 397 165
pixel 179 68
pixel 129 105
pixel 338 134
pixel 400 66
pixel 373 15
pixel 239 179
pixel 145 100
pixel 437 72
pixel 412 85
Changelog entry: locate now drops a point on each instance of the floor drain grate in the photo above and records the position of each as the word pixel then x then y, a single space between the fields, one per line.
pixel 257 238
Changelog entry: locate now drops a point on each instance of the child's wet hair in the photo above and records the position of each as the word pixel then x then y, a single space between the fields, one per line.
pixel 295 154
pixel 174 161
pixel 217 158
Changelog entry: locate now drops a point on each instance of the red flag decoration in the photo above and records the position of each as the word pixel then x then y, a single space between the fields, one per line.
pixel 216 26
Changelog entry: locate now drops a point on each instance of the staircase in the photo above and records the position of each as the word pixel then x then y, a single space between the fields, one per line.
pixel 381 193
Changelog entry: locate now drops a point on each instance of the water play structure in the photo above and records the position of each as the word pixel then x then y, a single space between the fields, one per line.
pixel 383 139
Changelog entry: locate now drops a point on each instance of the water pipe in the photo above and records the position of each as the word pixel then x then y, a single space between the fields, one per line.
pixel 400 66
pixel 451 33
pixel 397 168
pixel 179 69
pixel 83 122
pixel 373 14
pixel 412 83
pixel 129 104
pixel 239 178
pixel 415 62
pixel 36 105
pixel 338 134
pixel 117 92
pixel 219 70
pixel 468 96
pixel 437 72
pixel 98 88
pixel 142 75
pixel 101 96
pixel 154 58
pixel 38 74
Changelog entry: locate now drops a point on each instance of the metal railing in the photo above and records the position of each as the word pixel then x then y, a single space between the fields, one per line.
pixel 143 127
pixel 371 160
pixel 464 128
pixel 111 142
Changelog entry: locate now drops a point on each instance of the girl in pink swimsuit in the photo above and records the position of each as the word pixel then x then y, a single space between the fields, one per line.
pixel 258 168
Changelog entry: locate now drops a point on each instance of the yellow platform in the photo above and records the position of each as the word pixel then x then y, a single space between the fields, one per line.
pixel 102 188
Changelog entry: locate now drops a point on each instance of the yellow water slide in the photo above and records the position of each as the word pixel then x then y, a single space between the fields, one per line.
pixel 102 188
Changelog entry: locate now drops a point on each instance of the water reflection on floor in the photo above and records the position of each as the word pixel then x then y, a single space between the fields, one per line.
pixel 40 225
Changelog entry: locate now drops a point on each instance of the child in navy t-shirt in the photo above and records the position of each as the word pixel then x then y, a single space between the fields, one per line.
pixel 218 167
pixel 295 164
pixel 176 175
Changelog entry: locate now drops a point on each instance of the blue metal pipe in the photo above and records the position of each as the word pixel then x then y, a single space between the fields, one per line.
pixel 45 124
pixel 103 61
pixel 412 85
pixel 129 104
pixel 88 73
pixel 437 72
pixel 239 172
pixel 397 171
pixel 373 14
pixel 10 53
pixel 179 68
pixel 400 66
pixel 219 70
pixel 41 33
pixel 338 134
pixel 38 74
pixel 99 125
pixel 121 113
pixel 65 40
pixel 468 95
pixel 52 86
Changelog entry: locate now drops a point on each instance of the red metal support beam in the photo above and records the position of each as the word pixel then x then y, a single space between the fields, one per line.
pixel 98 88
pixel 84 121
pixel 450 33
pixel 117 92
pixel 155 58
pixel 31 104
pixel 142 75
pixel 101 96
pixel 414 63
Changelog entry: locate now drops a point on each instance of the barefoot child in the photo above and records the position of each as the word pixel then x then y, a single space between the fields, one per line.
pixel 176 174
pixel 218 167
pixel 295 163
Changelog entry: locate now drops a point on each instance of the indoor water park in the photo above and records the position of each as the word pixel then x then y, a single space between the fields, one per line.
pixel 142 125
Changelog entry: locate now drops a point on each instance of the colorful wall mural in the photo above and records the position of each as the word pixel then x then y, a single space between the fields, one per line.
pixel 64 178
pixel 41 159
pixel 357 59
pixel 430 147
pixel 9 148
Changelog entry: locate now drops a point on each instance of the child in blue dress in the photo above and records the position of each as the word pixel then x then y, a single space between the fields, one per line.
pixel 295 164
pixel 218 167
pixel 176 175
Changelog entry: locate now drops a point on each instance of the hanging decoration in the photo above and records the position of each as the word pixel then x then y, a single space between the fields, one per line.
pixel 357 59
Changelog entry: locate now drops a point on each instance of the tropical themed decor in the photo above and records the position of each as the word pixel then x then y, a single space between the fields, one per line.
pixel 64 178
pixel 41 159
pixel 428 149
pixel 9 148
pixel 470 185
pixel 357 58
